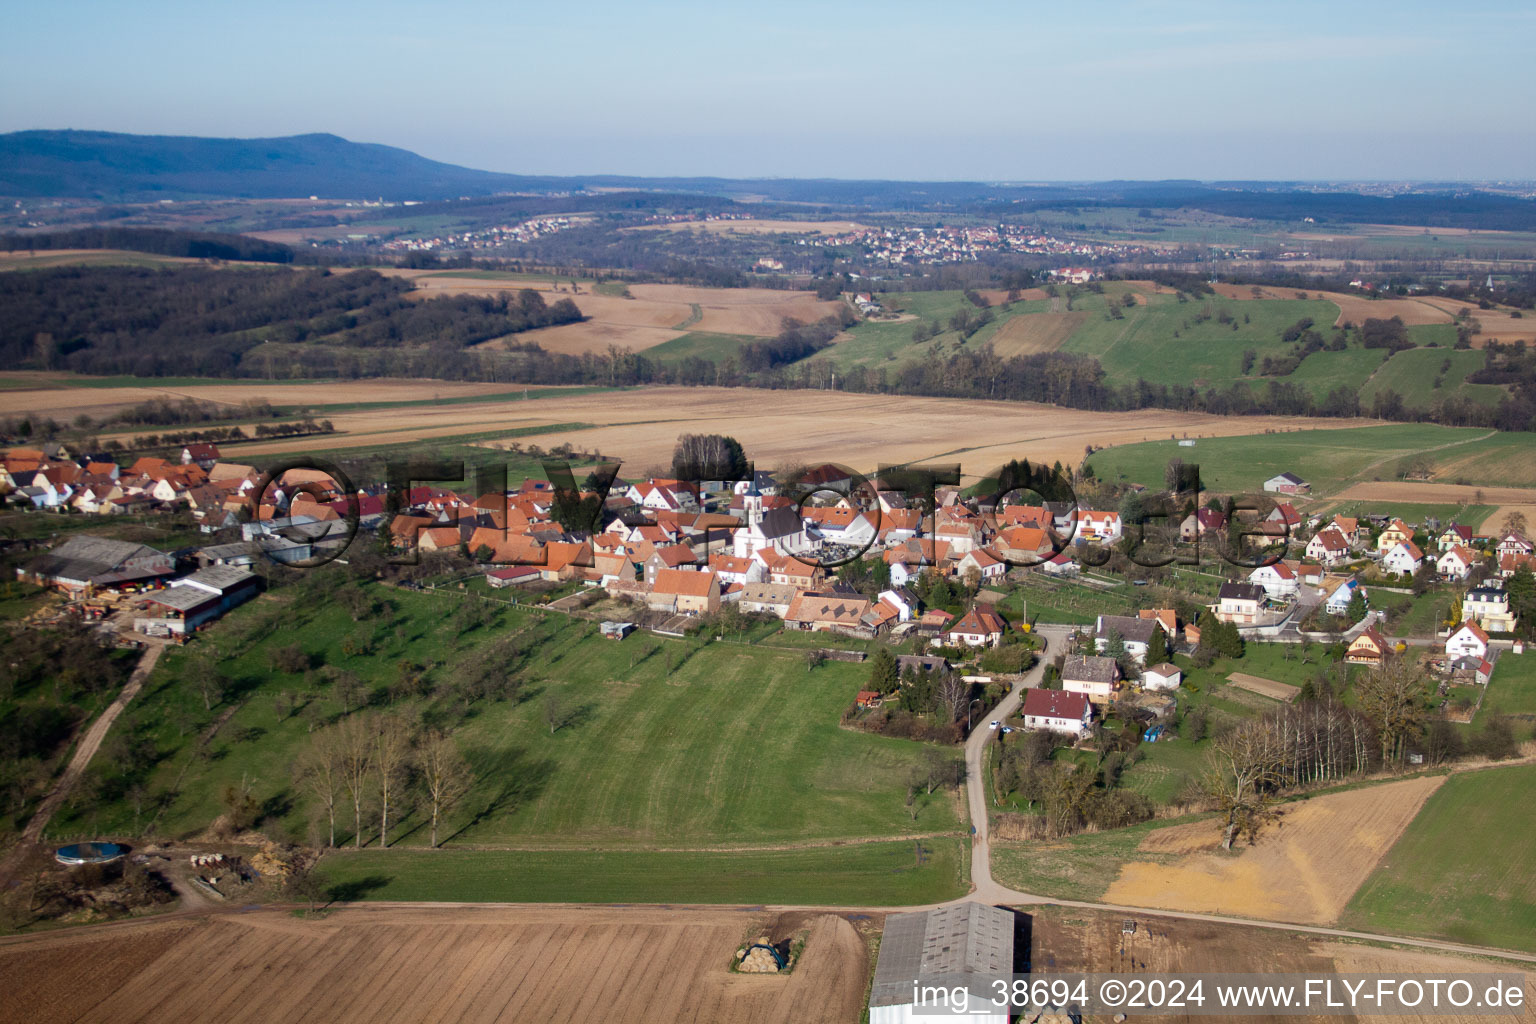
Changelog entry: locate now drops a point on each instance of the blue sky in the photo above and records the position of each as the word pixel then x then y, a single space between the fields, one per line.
pixel 963 90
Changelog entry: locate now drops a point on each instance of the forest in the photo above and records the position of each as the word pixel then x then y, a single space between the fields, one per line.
pixel 207 321
pixel 188 244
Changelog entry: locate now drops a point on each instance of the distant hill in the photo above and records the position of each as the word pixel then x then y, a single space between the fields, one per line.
pixel 117 167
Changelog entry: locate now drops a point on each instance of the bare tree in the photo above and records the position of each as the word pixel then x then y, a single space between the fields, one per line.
pixel 1247 765
pixel 1392 698
pixel 558 712
pixel 445 774
pixel 355 747
pixel 391 757
pixel 1514 522
pixel 203 672
pixel 320 769
pixel 953 694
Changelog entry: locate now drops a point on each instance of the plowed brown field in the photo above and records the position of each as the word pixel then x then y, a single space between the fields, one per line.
pixel 459 965
pixel 1303 869
pixel 779 428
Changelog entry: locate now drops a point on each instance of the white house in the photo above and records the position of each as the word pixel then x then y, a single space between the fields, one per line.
pixel 1514 543
pixel 1456 563
pixel 1103 527
pixel 1093 677
pixel 1239 603
pixel 1339 597
pixel 1405 558
pixel 984 562
pixel 663 496
pixel 978 627
pixel 1278 580
pixel 1467 642
pixel 902 600
pixel 1488 606
pixel 1057 711
pixel 1135 633
pixel 1162 677
pixel 1328 547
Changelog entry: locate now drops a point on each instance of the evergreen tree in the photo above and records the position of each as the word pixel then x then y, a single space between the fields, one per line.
pixel 1114 645
pixel 1157 649
pixel 1356 609
pixel 883 675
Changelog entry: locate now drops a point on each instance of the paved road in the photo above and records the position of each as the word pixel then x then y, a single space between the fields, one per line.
pixel 976 773
pixel 986 889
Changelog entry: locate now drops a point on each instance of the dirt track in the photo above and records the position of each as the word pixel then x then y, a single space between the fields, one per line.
pixel 90 743
pixel 378 965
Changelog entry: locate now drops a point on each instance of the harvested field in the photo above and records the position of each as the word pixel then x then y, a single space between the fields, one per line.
pixel 1497 324
pixel 1069 940
pixel 63 396
pixel 1036 332
pixel 753 311
pixel 462 964
pixel 594 336
pixel 1358 308
pixel 643 425
pixel 1351 958
pixel 1509 499
pixel 1264 687
pixel 759 311
pixel 1304 868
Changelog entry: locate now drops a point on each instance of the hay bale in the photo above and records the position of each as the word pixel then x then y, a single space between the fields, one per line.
pixel 759 961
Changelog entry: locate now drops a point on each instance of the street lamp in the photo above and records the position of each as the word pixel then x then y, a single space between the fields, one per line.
pixel 969 709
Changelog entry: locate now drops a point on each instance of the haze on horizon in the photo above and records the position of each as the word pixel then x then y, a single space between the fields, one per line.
pixel 970 90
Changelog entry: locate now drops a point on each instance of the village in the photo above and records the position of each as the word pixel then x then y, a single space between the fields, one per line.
pixel 955 583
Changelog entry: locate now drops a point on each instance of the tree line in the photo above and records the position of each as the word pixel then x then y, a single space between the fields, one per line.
pixel 374 762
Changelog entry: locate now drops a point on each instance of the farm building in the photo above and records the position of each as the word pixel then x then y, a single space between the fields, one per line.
pixel 202 597
pixel 1287 483
pixel 85 561
pixel 513 576
pixel 617 630
pixel 964 946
